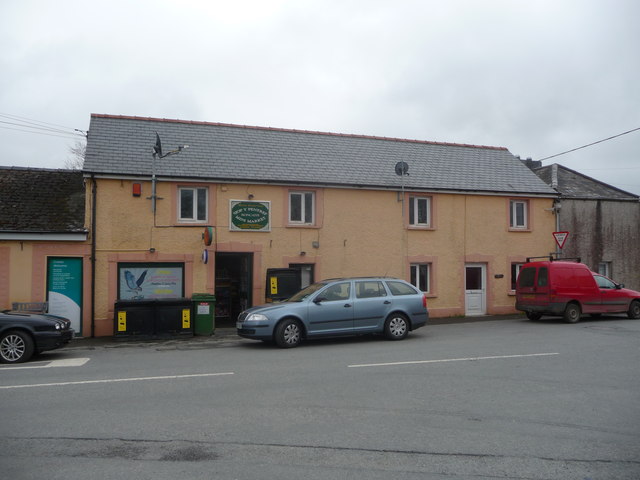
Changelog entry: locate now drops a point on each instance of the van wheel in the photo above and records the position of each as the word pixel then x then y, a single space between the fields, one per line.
pixel 572 313
pixel 634 309
pixel 534 316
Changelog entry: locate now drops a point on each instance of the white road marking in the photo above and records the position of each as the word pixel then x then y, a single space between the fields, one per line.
pixel 115 380
pixel 469 359
pixel 69 362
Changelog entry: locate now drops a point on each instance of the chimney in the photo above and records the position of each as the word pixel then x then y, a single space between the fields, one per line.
pixel 531 164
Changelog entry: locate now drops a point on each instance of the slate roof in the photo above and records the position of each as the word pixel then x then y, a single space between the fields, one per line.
pixel 575 185
pixel 122 146
pixel 36 200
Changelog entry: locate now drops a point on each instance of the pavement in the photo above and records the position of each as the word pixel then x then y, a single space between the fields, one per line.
pixel 225 336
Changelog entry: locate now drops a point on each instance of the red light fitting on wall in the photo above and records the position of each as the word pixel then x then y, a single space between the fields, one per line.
pixel 137 189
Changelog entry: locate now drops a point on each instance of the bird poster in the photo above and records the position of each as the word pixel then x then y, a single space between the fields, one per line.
pixel 147 282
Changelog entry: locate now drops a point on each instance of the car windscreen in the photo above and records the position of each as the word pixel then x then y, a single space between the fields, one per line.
pixel 305 292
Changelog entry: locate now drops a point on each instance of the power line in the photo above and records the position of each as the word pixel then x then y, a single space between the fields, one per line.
pixel 589 145
pixel 65 135
pixel 28 125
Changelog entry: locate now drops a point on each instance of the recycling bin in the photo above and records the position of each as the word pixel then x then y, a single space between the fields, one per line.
pixel 204 307
pixel 153 318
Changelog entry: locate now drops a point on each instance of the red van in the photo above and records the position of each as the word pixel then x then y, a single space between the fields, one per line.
pixel 568 288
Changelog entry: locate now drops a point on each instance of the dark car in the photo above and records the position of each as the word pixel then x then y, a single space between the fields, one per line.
pixel 337 307
pixel 24 334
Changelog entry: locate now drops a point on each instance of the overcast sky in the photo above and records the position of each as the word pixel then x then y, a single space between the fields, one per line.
pixel 539 76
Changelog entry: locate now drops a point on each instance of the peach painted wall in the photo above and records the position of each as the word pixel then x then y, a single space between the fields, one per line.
pixel 23 273
pixel 357 232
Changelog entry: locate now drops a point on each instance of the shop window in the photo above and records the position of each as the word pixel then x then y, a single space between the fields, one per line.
pixel 137 281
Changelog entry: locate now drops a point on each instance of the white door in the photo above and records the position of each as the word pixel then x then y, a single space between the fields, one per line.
pixel 475 289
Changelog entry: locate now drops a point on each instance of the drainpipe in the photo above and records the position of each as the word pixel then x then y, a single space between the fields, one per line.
pixel 94 196
pixel 556 203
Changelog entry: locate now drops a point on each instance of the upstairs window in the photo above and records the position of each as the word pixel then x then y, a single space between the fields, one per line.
pixel 301 208
pixel 192 204
pixel 518 214
pixel 420 211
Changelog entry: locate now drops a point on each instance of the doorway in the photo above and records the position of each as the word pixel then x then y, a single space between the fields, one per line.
pixel 475 299
pixel 234 284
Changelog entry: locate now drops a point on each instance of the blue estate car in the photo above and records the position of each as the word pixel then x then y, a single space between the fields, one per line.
pixel 337 307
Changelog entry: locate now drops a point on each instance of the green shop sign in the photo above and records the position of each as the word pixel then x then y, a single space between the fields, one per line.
pixel 252 216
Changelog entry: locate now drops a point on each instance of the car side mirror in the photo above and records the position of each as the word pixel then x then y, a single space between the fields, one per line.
pixel 619 286
pixel 319 300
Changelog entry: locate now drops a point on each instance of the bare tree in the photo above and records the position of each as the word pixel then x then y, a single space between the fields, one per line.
pixel 76 161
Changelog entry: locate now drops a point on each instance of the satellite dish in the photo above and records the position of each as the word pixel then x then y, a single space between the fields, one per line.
pixel 157 148
pixel 402 169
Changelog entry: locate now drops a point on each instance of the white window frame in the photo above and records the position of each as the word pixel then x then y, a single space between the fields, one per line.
pixel 307 213
pixel 513 214
pixel 415 276
pixel 604 269
pixel 414 211
pixel 194 213
pixel 518 266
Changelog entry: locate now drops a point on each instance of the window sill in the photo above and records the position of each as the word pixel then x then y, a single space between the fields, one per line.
pixel 513 229
pixel 191 223
pixel 301 225
pixel 420 227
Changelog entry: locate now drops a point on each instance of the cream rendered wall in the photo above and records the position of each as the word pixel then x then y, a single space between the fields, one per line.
pixel 359 232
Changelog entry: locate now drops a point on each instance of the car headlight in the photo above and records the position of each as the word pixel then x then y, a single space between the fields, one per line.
pixel 256 317
pixel 59 326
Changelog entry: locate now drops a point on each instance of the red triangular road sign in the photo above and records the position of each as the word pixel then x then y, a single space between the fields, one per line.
pixel 560 237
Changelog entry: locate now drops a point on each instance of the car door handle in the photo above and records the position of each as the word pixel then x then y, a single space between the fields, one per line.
pixel 387 302
pixel 347 305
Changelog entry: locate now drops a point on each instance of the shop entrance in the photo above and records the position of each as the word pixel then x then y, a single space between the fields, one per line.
pixel 234 283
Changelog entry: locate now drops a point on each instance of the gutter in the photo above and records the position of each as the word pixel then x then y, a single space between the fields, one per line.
pixel 44 236
pixel 311 184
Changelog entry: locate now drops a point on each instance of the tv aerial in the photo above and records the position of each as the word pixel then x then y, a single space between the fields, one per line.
pixel 157 152
pixel 402 170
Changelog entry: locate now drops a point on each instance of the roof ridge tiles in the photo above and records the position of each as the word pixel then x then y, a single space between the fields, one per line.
pixel 290 130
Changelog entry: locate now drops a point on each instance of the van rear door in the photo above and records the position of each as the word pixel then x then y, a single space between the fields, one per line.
pixel 533 287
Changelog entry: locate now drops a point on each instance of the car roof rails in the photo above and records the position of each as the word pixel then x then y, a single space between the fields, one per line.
pixel 551 258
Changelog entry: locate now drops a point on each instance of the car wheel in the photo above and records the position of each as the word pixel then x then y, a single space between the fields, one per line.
pixel 572 313
pixel 534 315
pixel 15 347
pixel 634 309
pixel 288 334
pixel 396 327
